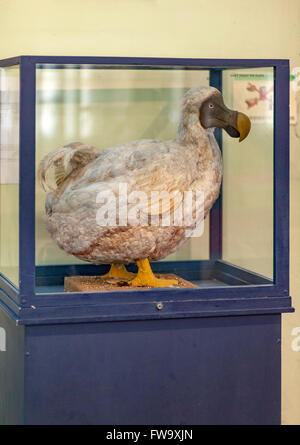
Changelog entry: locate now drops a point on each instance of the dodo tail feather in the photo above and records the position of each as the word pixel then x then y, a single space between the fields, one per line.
pixel 65 160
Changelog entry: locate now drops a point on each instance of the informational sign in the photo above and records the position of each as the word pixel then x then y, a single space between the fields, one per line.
pixel 253 94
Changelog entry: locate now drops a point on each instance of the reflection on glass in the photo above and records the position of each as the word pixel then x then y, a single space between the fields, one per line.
pixel 248 173
pixel 9 173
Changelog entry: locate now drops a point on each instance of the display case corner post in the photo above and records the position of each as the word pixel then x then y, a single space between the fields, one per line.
pixel 27 175
pixel 281 175
pixel 215 218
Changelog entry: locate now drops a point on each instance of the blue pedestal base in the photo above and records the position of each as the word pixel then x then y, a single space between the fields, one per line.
pixel 222 370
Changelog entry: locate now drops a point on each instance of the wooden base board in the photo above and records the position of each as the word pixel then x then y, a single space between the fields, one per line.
pixel 98 284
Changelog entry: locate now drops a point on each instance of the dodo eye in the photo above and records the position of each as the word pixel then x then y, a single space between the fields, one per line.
pixel 211 105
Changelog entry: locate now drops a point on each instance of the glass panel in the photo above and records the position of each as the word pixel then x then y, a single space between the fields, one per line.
pixel 248 173
pixel 9 173
pixel 103 107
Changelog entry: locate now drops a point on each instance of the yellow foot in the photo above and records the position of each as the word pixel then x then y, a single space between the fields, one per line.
pixel 153 282
pixel 118 271
pixel 146 278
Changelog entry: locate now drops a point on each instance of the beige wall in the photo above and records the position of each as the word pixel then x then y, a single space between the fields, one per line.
pixel 174 28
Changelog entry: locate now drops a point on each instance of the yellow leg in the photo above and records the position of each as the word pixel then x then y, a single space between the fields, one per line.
pixel 118 271
pixel 145 276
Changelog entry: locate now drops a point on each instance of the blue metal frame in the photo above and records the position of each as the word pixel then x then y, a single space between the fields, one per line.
pixel 27 176
pixel 215 216
pixel 236 298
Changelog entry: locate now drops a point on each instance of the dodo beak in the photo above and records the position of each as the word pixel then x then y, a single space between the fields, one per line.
pixel 214 113
pixel 243 125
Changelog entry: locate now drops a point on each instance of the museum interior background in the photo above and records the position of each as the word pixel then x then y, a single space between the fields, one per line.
pixel 172 28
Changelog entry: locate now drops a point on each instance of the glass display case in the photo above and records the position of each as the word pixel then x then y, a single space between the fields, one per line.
pixel 239 259
pixel 203 347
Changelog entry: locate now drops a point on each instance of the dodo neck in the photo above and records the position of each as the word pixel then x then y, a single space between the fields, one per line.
pixel 191 134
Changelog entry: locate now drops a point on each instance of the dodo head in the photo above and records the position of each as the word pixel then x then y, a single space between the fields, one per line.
pixel 214 113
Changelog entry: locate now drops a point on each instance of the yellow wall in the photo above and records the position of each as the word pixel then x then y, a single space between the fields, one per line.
pixel 174 28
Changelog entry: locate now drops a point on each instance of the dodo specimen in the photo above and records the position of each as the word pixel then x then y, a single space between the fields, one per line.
pixel 189 162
